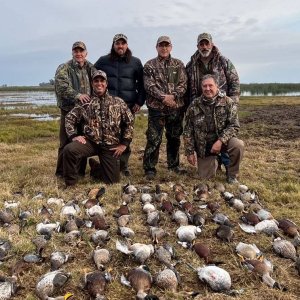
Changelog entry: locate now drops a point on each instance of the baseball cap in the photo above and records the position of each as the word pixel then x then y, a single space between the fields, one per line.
pixel 163 38
pixel 204 36
pixel 120 36
pixel 99 73
pixel 79 44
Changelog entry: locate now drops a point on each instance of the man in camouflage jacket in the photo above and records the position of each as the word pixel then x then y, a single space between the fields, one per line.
pixel 72 85
pixel 208 60
pixel 211 127
pixel 107 132
pixel 165 84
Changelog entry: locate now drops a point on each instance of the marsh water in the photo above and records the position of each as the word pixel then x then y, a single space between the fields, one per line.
pixel 10 100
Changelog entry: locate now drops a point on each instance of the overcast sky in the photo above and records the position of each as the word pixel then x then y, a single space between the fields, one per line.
pixel 260 37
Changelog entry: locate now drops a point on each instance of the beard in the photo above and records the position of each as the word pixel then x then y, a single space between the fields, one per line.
pixel 205 53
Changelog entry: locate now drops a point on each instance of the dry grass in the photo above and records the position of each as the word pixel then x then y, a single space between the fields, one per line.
pixel 270 129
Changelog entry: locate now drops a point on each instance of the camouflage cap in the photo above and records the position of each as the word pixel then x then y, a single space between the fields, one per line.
pixel 99 73
pixel 79 44
pixel 204 36
pixel 120 36
pixel 163 38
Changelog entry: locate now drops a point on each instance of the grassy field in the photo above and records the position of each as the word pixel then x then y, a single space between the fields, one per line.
pixel 270 128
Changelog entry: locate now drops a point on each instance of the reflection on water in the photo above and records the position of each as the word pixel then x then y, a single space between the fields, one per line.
pixel 245 93
pixel 20 99
pixel 39 117
pixel 24 100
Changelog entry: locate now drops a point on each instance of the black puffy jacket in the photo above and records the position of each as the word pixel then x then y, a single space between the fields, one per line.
pixel 125 80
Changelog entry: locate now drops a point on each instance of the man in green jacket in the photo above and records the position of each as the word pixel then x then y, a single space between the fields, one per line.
pixel 72 85
pixel 211 126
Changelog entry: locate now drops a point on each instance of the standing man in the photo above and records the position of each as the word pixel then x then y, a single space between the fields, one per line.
pixel 125 80
pixel 208 60
pixel 72 85
pixel 211 127
pixel 107 132
pixel 165 82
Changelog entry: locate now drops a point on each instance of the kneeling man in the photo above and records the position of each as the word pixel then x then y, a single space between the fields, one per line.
pixel 211 126
pixel 107 132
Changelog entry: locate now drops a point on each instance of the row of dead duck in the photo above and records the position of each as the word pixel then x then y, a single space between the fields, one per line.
pixel 186 214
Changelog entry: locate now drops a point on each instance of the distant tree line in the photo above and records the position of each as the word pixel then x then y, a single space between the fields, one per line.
pixel 50 82
pixel 273 88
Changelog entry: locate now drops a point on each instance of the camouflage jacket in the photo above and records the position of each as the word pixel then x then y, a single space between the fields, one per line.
pixel 106 120
pixel 164 76
pixel 71 81
pixel 219 66
pixel 226 120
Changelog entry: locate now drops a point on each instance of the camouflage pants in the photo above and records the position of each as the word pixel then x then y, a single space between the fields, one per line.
pixel 157 121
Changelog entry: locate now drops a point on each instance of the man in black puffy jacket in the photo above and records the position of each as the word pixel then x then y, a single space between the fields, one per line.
pixel 125 80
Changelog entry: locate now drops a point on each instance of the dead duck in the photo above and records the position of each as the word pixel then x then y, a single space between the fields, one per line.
pixel 49 282
pixel 47 228
pixel 167 280
pixel 123 220
pixel 267 226
pixel 165 254
pixel 221 219
pixel 101 257
pixel 237 204
pixel 180 217
pixel 8 287
pixel 100 237
pixel 213 206
pixel 140 280
pixel 224 233
pixel 284 248
pixel 219 187
pixel 99 222
pixel 167 206
pixel 148 207
pixel 122 210
pixel 157 233
pixel 248 251
pixel 180 196
pixel 262 268
pixel 153 218
pixel 130 189
pixel 72 237
pixel 46 213
pixel 263 214
pixel 197 219
pixel 187 233
pixel 288 227
pixel 58 258
pixel 6 216
pixel 146 197
pixel 202 251
pixel 33 258
pixel 5 246
pixel 250 218
pixel 159 196
pixel 243 188
pixel 70 224
pixel 141 252
pixel 126 232
pixel 201 192
pixel 95 283
pixel 40 243
pixel 215 277
pixel 95 210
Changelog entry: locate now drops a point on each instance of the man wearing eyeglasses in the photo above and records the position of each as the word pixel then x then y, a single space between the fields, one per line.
pixel 125 80
pixel 165 82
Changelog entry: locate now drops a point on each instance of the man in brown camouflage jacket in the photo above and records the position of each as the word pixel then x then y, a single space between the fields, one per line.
pixel 165 82
pixel 107 132
pixel 72 85
pixel 211 127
